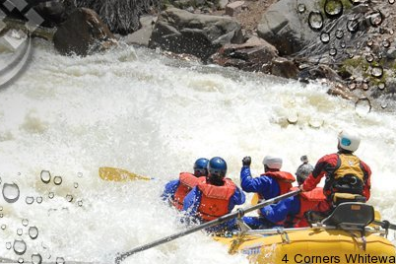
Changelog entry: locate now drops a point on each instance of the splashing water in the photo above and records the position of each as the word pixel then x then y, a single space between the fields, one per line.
pixel 138 110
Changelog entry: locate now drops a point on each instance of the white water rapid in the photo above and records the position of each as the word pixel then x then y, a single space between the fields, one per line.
pixel 138 110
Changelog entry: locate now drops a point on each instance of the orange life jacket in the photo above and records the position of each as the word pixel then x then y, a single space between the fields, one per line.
pixel 187 182
pixel 308 201
pixel 283 178
pixel 215 199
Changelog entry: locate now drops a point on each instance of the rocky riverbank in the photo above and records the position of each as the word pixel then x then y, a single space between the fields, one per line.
pixel 347 44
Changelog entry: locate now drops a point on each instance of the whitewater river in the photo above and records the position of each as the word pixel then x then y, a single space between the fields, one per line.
pixel 152 115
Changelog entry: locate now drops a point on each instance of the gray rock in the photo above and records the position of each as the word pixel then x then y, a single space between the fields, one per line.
pixel 200 35
pixel 234 8
pixel 142 36
pixel 285 27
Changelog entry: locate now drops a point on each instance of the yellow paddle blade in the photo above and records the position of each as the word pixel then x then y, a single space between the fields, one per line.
pixel 255 199
pixel 116 174
pixel 377 216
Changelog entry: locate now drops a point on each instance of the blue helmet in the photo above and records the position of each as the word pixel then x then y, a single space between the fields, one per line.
pixel 201 167
pixel 217 168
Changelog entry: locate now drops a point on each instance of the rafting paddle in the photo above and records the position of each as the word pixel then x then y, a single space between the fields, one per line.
pixel 121 175
pixel 238 213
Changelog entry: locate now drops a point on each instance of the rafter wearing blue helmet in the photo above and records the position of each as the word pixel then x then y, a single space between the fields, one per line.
pixel 176 190
pixel 215 197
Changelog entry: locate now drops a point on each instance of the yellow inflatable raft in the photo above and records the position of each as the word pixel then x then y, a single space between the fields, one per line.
pixel 347 236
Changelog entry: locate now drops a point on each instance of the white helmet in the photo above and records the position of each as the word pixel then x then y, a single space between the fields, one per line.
pixel 272 162
pixel 348 140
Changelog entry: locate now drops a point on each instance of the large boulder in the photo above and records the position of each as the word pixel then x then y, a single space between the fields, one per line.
pixel 285 25
pixel 200 35
pixel 83 33
pixel 253 55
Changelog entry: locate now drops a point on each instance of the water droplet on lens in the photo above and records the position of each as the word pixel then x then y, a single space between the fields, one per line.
pixel 1 208
pixel 19 231
pixel 36 259
pixel 21 260
pixel 381 86
pixel 292 118
pixel 333 8
pixel 369 58
pixel 45 176
pixel 76 185
pixel 60 260
pixel 339 34
pixel 39 199
pixel 29 199
pixel 363 106
pixel 352 25
pixel 315 20
pixel 19 247
pixel 79 175
pixel 69 197
pixel 1 215
pixel 58 180
pixel 3 227
pixel 80 203
pixel 352 86
pixel 333 51
pixel 391 2
pixel 33 232
pixel 315 123
pixel 25 222
pixel 11 192
pixel 386 43
pixel 376 19
pixel 51 195
pixel 377 71
pixel 301 8
pixel 8 245
pixel 325 37
pixel 384 105
pixel 343 44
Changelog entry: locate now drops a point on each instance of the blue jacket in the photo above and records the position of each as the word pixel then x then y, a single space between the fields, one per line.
pixel 170 189
pixel 193 200
pixel 266 187
pixel 280 211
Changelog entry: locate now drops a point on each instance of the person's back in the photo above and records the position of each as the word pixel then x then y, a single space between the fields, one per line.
pixel 215 197
pixel 176 190
pixel 273 182
pixel 347 177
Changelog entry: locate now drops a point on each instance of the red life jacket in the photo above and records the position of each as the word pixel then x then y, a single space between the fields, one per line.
pixel 283 178
pixel 215 199
pixel 308 201
pixel 187 182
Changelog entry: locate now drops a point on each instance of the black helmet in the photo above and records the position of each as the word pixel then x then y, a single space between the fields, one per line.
pixel 201 167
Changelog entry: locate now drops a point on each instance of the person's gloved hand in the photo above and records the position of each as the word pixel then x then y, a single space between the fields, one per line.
pixel 301 187
pixel 246 161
